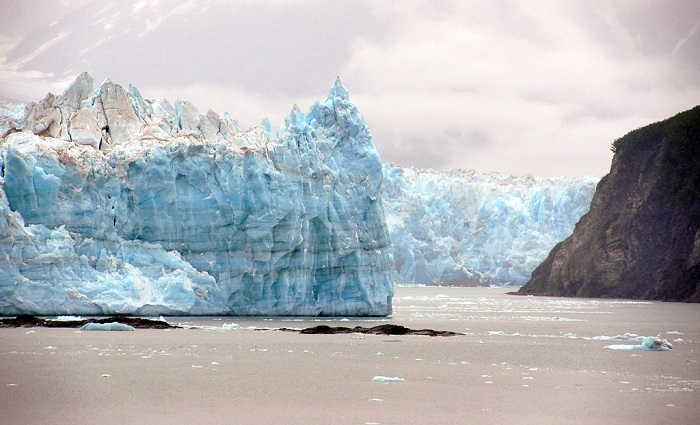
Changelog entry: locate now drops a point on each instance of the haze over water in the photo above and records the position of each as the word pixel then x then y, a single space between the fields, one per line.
pixel 524 360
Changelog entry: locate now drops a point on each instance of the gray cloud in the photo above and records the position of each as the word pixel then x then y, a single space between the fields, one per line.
pixel 515 86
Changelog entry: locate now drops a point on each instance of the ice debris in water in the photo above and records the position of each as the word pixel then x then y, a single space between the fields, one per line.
pixel 227 327
pixel 627 336
pixel 388 379
pixel 113 326
pixel 65 318
pixel 649 343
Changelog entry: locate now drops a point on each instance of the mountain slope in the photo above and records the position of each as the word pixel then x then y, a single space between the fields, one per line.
pixel 641 238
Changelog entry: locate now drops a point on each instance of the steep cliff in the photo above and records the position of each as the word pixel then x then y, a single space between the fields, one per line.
pixel 112 203
pixel 641 238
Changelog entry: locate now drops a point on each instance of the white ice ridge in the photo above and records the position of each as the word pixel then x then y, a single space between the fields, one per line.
pixel 463 226
pixel 112 326
pixel 649 343
pixel 112 203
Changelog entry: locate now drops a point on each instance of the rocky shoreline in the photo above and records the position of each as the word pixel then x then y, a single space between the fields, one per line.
pixel 29 321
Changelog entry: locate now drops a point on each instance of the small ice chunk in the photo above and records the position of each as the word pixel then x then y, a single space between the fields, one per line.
pixel 106 375
pixel 648 344
pixel 112 326
pixel 678 340
pixel 378 400
pixel 10 385
pixel 49 347
pixel 674 333
pixel 387 379
pixel 225 327
pixel 30 332
pixel 215 363
pixel 66 318
pixel 197 366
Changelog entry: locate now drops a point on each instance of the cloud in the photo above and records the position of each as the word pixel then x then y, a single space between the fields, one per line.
pixel 515 86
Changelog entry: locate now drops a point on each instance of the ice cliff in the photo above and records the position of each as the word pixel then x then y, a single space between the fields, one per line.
pixel 463 226
pixel 112 203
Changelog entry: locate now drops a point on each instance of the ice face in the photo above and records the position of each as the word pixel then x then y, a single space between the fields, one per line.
pixel 463 226
pixel 156 209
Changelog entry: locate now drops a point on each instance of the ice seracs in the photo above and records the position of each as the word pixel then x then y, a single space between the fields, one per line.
pixel 113 203
pixel 468 227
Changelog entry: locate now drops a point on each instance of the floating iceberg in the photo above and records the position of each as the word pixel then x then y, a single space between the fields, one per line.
pixel 112 326
pixel 648 344
pixel 463 226
pixel 112 203
pixel 65 318
pixel 388 379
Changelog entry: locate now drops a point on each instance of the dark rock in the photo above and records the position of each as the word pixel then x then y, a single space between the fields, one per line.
pixel 29 321
pixel 387 329
pixel 641 238
pixel 324 329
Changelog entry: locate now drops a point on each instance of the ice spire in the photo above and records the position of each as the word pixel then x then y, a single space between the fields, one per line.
pixel 79 90
pixel 295 119
pixel 266 125
pixel 338 90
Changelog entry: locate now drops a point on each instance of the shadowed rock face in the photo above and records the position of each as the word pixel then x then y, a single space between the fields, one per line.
pixel 387 329
pixel 29 321
pixel 641 238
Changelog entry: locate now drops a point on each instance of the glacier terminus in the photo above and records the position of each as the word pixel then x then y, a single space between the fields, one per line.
pixel 112 203
pixel 471 227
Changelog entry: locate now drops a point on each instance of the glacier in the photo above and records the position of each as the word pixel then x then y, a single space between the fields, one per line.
pixel 113 203
pixel 469 227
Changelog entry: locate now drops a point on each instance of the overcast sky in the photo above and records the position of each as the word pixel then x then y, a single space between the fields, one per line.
pixel 520 87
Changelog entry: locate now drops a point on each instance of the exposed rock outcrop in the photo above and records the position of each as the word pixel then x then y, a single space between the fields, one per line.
pixel 29 321
pixel 641 238
pixel 387 329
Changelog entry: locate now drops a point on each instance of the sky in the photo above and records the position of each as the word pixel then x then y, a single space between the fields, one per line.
pixel 521 87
